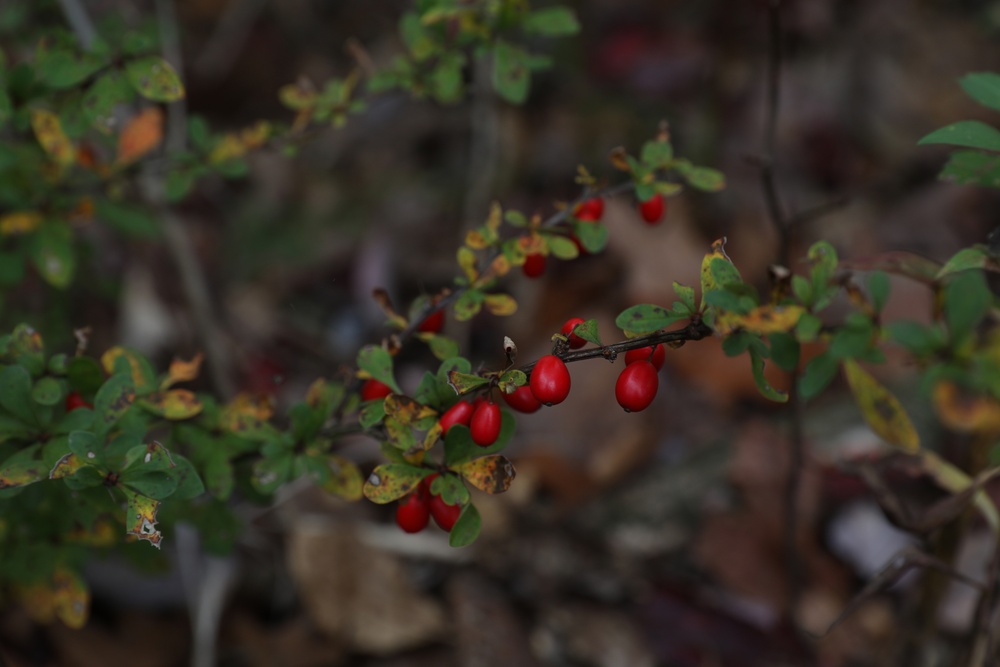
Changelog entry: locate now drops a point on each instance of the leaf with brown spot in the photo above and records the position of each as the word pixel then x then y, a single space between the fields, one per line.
pixel 22 468
pixel 392 481
pixel 492 474
pixel 49 132
pixel 172 404
pixel 112 401
pixel 247 415
pixel 140 517
pixel 709 281
pixel 881 409
pixel 141 373
pixel 765 319
pixel 964 411
pixel 345 478
pixel 66 466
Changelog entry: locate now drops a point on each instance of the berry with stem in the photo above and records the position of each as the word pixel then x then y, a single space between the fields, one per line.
pixel 652 209
pixel 656 356
pixel 522 400
pixel 485 424
pixel 575 342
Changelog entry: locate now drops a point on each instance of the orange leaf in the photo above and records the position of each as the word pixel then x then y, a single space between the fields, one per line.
pixel 141 134
pixel 965 412
pixel 19 222
pixel 182 371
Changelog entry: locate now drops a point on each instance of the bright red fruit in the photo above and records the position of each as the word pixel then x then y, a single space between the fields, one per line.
pixel 523 400
pixel 567 330
pixel 433 323
pixel 485 424
pixel 445 515
pixel 373 389
pixel 534 265
pixel 591 209
pixel 636 386
pixel 659 355
pixel 460 413
pixel 74 400
pixel 651 210
pixel 413 512
pixel 550 380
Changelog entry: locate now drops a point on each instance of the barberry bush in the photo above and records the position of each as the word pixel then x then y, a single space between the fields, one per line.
pixel 100 450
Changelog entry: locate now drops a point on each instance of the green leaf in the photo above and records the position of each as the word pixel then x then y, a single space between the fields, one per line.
pixel 466 529
pixel 818 373
pixel 593 236
pixel 47 391
pixel 463 383
pixel 22 468
pixel 646 318
pixel 270 473
pixel 765 388
pixel 378 363
pixel 155 79
pixel 99 102
pixel 704 178
pixel 511 72
pixel 965 259
pixel 984 87
pixel 970 133
pixel 736 343
pixel 551 22
pixel 512 379
pixel 15 394
pixel 64 69
pixel 416 36
pixel 686 295
pixel 219 475
pixel 972 168
pixel 446 81
pixel 852 340
pixel 967 300
pixel 920 339
pixel 373 413
pixel 588 331
pixel 561 247
pixel 130 220
pixel 808 328
pixel 724 272
pixel 157 484
pixel 112 401
pixel 52 254
pixel 85 375
pixel 657 154
pixel 179 184
pixel 469 304
pixel 442 347
pixel 785 351
pixel 392 481
pixel 878 287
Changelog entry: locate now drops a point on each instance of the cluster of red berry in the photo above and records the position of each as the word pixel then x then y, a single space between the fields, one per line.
pixel 414 512
pixel 591 210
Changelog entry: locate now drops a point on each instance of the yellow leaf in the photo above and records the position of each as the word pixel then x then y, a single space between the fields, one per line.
pixel 500 266
pixel 66 466
pixel 173 404
pixel 405 409
pixel 65 596
pixel 707 279
pixel 881 409
pixel 492 474
pixel 48 130
pixel 495 217
pixel 246 413
pixel 963 411
pixel 141 134
pixel 182 371
pixel 19 222
pixel 467 262
pixel 476 240
pixel 533 244
pixel 500 304
pixel 765 319
pixel 345 478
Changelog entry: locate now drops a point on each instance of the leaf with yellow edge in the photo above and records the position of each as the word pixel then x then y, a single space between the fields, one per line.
pixel 172 404
pixel 709 280
pixel 142 375
pixel 345 478
pixel 492 474
pixel 48 130
pixel 19 222
pixel 155 79
pixel 66 466
pixel 500 266
pixel 405 409
pixel 881 409
pixel 963 411
pixel 140 517
pixel 500 304
pixel 533 244
pixel 467 262
pixel 21 473
pixel 182 371
pixel 392 481
pixel 141 134
pixel 766 319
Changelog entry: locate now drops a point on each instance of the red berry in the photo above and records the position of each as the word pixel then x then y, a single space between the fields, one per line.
pixel 74 400
pixel 523 400
pixel 433 323
pixel 534 265
pixel 550 380
pixel 567 330
pixel 652 209
pixel 413 511
pixel 373 389
pixel 485 424
pixel 636 386
pixel 460 413
pixel 591 209
pixel 659 355
pixel 445 515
